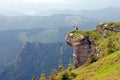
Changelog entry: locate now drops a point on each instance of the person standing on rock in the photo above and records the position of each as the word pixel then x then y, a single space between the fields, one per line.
pixel 75 28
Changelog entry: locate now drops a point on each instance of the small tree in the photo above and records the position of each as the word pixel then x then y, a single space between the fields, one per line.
pixel 53 74
pixel 33 78
pixel 42 77
pixel 60 67
pixel 70 65
pixel 68 75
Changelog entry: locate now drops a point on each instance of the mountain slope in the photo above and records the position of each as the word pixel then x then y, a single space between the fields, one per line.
pixel 34 58
pixel 11 41
pixel 106 68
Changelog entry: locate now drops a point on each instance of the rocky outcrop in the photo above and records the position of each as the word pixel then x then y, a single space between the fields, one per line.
pixel 110 26
pixel 102 27
pixel 82 47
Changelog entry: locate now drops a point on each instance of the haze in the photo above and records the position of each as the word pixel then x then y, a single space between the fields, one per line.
pixel 34 6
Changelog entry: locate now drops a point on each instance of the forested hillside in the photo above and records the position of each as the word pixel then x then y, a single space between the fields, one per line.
pixel 37 57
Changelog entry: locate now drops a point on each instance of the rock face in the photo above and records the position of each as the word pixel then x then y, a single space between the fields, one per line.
pixel 102 27
pixel 111 27
pixel 81 46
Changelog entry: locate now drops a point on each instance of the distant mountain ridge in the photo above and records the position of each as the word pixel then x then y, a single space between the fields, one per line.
pixel 109 12
pixel 54 21
pixel 65 18
pixel 104 14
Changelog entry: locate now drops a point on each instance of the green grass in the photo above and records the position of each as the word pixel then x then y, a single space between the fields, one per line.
pixel 115 24
pixel 107 68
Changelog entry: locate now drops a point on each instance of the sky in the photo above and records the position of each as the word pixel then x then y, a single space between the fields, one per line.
pixel 32 6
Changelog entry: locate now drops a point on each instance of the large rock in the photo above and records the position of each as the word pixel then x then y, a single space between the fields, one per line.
pixel 102 27
pixel 82 47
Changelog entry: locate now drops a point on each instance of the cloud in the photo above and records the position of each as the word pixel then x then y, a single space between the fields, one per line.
pixel 27 4
pixel 39 5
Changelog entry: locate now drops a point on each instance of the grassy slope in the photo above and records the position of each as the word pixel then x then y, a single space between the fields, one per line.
pixel 107 68
pixel 108 65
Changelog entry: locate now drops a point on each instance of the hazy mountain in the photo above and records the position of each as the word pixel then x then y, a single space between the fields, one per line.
pixel 55 21
pixel 9 47
pixel 35 58
pixel 105 14
pixel 56 18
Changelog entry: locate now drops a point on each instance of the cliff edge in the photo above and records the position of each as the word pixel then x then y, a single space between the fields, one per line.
pixel 89 46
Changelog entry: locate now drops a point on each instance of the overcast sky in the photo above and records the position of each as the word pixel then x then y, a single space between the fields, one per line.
pixel 38 5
